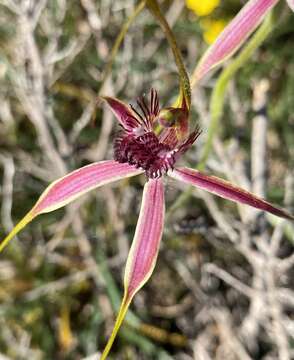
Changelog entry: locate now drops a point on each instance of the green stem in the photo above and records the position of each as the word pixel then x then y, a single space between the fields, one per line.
pixel 132 331
pixel 181 200
pixel 119 40
pixel 185 88
pixel 288 228
pixel 218 95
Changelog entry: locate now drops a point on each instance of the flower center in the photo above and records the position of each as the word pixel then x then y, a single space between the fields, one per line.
pixel 138 144
pixel 144 151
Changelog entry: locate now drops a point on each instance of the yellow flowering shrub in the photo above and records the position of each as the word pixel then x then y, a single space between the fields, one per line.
pixel 212 28
pixel 202 7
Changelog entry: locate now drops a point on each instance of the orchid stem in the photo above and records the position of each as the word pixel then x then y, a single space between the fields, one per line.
pixel 218 95
pixel 185 88
pixel 132 331
pixel 119 320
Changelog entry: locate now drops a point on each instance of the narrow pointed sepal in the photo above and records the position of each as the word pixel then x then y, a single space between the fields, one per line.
pixel 144 250
pixel 234 35
pixel 123 113
pixel 143 253
pixel 68 188
pixel 226 190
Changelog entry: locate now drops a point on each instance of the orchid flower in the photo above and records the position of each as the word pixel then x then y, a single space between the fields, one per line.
pixel 149 144
pixel 234 35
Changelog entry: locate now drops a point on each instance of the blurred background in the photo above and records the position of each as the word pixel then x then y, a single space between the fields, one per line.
pixel 223 284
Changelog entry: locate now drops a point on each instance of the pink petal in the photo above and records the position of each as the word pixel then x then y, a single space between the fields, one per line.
pixel 145 246
pixel 226 190
pixel 71 186
pixel 80 181
pixel 124 114
pixel 233 36
pixel 143 254
pixel 291 4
